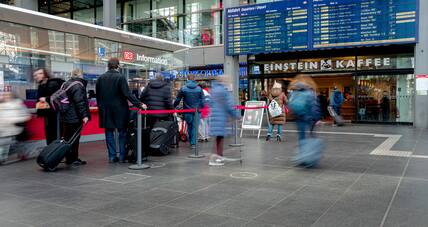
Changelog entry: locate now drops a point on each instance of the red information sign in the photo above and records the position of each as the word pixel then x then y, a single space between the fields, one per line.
pixel 128 55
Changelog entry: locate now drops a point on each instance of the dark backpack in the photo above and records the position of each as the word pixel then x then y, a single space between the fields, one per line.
pixel 59 99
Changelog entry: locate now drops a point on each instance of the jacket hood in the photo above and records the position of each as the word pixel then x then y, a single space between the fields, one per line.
pixel 157 84
pixel 83 81
pixel 191 84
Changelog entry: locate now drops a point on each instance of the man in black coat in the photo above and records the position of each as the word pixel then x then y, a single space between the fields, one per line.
pixel 47 86
pixel 113 94
pixel 157 96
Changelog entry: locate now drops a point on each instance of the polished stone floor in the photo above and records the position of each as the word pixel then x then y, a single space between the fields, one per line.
pixel 351 187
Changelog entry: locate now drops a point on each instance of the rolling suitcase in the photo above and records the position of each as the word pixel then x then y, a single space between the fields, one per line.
pixel 309 152
pixel 54 153
pixel 337 118
pixel 162 137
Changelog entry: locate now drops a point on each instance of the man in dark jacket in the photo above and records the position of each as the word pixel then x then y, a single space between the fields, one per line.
pixel 193 97
pixel 113 94
pixel 157 96
pixel 76 115
pixel 47 86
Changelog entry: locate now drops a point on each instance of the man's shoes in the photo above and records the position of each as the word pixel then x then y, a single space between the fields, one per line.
pixel 114 160
pixel 206 139
pixel 268 137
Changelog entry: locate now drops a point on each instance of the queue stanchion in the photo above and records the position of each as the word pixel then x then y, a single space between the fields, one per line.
pixel 235 128
pixel 139 165
pixel 195 129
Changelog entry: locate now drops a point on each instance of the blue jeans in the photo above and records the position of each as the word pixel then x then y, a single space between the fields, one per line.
pixel 271 127
pixel 191 126
pixel 111 143
pixel 302 126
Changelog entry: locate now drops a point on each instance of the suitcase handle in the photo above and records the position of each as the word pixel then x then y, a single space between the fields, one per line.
pixel 75 135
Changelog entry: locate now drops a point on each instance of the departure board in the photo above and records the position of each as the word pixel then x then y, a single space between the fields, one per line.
pixel 291 25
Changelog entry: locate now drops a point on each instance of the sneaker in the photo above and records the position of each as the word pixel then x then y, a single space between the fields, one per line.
pixel 268 137
pixel 193 146
pixel 216 162
pixel 79 162
pixel 114 160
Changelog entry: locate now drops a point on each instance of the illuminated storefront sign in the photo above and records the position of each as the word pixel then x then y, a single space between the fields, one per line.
pixel 337 64
pixel 131 56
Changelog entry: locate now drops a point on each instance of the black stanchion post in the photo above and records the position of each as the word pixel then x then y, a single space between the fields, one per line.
pixel 139 164
pixel 196 124
pixel 236 142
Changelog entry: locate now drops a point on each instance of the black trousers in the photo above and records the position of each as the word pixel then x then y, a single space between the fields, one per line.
pixel 51 125
pixel 151 120
pixel 69 130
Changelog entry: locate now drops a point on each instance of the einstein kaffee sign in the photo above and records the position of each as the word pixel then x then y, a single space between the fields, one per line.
pixel 337 64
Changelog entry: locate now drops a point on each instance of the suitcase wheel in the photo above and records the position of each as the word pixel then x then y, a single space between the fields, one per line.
pixel 50 169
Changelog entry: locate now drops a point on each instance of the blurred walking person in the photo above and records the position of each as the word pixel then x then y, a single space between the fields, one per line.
pixel 47 86
pixel 305 107
pixel 193 97
pixel 113 94
pixel 12 112
pixel 203 124
pixel 222 110
pixel 76 115
pixel 336 101
pixel 276 110
pixel 157 96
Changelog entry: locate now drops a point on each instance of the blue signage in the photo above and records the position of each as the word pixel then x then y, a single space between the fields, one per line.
pixel 315 24
pixel 101 51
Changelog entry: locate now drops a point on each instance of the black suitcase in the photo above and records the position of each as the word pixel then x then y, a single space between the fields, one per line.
pixel 162 137
pixel 54 153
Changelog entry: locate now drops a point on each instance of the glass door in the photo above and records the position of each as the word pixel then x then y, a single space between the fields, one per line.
pixel 385 98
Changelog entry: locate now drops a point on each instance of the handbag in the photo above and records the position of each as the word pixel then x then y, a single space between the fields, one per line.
pixel 42 106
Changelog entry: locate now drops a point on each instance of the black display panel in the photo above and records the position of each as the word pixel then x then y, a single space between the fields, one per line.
pixel 315 24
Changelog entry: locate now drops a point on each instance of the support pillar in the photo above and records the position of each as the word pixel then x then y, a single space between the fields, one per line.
pixel 109 13
pixel 421 68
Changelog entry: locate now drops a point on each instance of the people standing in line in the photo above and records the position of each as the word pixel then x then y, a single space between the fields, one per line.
pixel 277 97
pixel 113 94
pixel 157 96
pixel 47 86
pixel 222 107
pixel 304 104
pixel 203 124
pixel 336 100
pixel 193 97
pixel 76 115
pixel 385 106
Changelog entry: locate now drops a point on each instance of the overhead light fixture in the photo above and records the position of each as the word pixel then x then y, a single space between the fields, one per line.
pixel 36 50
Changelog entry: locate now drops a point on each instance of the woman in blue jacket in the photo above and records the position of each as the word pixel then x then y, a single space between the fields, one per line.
pixel 222 109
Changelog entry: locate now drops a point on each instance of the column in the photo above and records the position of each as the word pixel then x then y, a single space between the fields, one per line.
pixel 154 20
pixel 231 63
pixel 109 13
pixel 27 4
pixel 421 68
pixel 181 21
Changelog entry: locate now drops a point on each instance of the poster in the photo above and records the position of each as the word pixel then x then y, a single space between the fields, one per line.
pixel 253 117
pixel 421 82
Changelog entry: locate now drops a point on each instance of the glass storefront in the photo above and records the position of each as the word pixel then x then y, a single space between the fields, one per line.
pixel 24 49
pixel 192 22
pixel 376 88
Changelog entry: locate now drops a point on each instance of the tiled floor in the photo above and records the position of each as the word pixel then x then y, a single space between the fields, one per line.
pixel 350 187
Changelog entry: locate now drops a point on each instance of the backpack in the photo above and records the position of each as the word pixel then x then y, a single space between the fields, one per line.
pixel 274 108
pixel 300 102
pixel 59 100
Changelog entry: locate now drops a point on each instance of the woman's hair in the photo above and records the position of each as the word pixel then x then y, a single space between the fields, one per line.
pixel 45 72
pixel 304 79
pixel 76 73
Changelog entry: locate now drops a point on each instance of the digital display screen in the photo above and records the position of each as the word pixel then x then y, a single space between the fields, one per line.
pixel 315 24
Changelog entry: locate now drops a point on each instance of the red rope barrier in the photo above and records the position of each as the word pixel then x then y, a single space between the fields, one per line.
pixel 140 111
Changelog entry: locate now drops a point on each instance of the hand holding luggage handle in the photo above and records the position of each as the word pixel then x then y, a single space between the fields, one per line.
pixel 139 165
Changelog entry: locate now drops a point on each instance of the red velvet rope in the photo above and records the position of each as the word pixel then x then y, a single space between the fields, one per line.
pixel 191 110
